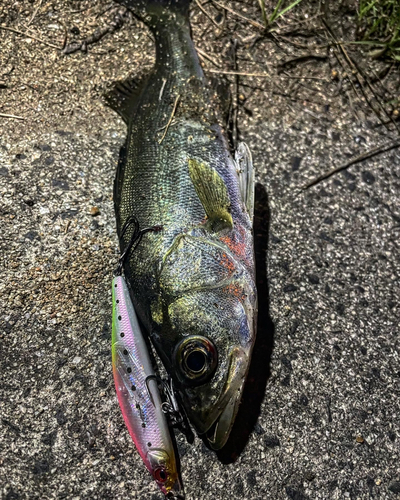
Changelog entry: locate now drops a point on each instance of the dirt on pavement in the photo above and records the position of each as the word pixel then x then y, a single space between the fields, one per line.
pixel 319 419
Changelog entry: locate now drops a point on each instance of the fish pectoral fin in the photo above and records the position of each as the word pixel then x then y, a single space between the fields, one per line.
pixel 213 194
pixel 244 163
pixel 123 97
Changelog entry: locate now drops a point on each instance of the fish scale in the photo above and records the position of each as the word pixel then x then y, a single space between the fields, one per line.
pixel 177 172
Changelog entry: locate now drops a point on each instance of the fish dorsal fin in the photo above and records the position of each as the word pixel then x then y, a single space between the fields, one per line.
pixel 213 194
pixel 123 97
pixel 244 163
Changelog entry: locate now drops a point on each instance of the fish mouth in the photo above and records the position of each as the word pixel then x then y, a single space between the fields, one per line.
pixel 220 425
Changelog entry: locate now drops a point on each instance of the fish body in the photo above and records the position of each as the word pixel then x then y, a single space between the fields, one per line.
pixel 192 283
pixel 138 393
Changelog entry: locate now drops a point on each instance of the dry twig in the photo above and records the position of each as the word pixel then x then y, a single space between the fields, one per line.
pixel 368 154
pixel 115 25
pixel 237 14
pixel 278 36
pixel 302 58
pixel 238 73
pixel 306 78
pixel 164 82
pixel 206 56
pixel 203 10
pixel 27 35
pixel 34 13
pixel 3 115
pixel 170 119
pixel 357 73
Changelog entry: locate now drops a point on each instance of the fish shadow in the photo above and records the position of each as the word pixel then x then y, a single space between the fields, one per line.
pixel 259 371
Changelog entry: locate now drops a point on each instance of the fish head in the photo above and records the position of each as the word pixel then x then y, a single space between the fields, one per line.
pixel 209 303
pixel 210 360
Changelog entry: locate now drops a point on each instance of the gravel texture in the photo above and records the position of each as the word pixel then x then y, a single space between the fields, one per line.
pixel 320 417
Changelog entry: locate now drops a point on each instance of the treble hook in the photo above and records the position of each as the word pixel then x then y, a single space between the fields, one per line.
pixel 171 405
pixel 136 238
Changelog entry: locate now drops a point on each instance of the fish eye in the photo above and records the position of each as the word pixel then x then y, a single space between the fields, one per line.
pixel 160 475
pixel 196 359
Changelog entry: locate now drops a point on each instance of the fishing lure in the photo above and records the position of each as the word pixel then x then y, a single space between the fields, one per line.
pixel 138 393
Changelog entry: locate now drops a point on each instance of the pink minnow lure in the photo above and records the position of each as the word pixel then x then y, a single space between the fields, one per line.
pixel 138 393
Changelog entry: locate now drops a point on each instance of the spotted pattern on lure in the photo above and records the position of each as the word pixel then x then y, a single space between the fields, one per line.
pixel 138 393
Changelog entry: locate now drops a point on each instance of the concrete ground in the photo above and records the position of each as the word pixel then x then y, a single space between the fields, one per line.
pixel 320 417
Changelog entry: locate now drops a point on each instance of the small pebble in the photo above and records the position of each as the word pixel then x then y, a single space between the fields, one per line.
pixel 94 211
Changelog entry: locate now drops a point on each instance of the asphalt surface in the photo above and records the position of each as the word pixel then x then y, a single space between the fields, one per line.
pixel 320 417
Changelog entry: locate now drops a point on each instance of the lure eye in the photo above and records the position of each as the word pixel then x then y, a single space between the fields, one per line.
pixel 196 359
pixel 160 475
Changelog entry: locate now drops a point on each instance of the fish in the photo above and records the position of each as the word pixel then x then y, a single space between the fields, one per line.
pixel 138 393
pixel 192 282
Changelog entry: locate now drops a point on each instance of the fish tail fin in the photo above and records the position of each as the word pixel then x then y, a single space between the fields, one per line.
pixel 156 13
